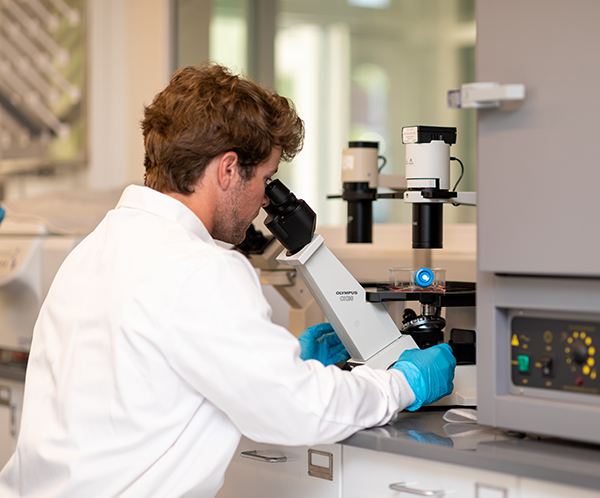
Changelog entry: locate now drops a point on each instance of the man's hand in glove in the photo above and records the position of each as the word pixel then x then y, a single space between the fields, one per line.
pixel 320 342
pixel 429 373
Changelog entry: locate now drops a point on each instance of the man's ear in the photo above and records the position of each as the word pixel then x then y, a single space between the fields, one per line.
pixel 227 170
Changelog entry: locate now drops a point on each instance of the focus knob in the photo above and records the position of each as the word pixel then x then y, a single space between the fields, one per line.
pixel 579 352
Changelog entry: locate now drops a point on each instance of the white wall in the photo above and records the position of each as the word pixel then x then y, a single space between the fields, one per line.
pixel 129 49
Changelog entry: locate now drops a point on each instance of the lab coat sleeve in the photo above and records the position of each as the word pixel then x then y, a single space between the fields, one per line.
pixel 223 343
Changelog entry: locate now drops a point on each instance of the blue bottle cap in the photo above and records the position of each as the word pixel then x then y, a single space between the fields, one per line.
pixel 424 277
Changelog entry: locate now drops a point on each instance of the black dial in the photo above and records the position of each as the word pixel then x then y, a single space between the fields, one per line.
pixel 579 351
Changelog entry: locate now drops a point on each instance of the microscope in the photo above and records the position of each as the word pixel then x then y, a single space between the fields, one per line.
pixel 427 187
pixel 360 315
pixel 366 329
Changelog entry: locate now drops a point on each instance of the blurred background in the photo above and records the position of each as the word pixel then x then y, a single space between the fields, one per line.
pixel 75 75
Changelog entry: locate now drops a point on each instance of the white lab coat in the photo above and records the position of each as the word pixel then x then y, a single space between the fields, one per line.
pixel 154 351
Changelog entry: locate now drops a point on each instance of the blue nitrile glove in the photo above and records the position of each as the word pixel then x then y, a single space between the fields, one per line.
pixel 429 373
pixel 320 342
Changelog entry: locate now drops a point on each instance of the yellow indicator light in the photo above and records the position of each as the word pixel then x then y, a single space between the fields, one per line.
pixel 591 350
pixel 569 360
pixel 525 346
pixel 567 350
pixel 593 375
pixel 573 369
pixel 547 336
pixel 570 340
pixel 576 335
pixel 588 341
pixel 538 364
pixel 548 383
pixel 586 370
pixel 514 341
pixel 591 362
pixel 525 381
pixel 582 335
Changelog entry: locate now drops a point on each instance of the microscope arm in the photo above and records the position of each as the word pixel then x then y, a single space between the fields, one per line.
pixel 366 329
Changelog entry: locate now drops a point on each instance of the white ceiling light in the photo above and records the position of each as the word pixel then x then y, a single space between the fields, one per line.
pixel 370 4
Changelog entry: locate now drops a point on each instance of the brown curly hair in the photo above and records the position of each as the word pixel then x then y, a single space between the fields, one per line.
pixel 206 111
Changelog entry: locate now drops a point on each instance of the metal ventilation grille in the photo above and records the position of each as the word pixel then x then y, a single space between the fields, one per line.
pixel 41 83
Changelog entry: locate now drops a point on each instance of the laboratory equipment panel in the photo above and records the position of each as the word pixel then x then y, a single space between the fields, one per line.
pixel 555 355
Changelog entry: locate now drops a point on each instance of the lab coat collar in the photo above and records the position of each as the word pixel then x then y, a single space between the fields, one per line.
pixel 152 201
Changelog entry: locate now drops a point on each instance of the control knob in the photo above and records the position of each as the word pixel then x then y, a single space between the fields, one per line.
pixel 579 352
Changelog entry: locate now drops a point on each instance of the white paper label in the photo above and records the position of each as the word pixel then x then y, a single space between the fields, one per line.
pixel 409 135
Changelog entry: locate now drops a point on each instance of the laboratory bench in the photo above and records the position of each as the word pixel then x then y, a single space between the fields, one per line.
pixel 420 454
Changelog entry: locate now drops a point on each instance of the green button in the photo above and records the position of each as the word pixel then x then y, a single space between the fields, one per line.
pixel 523 361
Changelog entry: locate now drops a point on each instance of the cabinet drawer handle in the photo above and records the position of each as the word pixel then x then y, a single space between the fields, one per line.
pixel 400 486
pixel 253 454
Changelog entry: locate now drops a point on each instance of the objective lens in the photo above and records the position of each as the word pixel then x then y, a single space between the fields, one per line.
pixel 428 225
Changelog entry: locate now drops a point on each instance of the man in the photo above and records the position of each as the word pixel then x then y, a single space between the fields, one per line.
pixel 154 350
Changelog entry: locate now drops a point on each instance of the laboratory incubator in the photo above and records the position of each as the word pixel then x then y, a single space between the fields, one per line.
pixel 538 301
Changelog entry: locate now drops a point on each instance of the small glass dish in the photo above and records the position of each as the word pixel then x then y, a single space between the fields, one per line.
pixel 417 280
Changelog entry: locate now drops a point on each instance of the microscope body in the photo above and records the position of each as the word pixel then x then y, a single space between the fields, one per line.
pixel 366 329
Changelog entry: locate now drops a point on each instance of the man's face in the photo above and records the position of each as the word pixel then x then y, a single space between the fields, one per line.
pixel 244 201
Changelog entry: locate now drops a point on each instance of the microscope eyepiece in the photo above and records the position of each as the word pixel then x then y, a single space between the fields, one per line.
pixel 280 196
pixel 290 220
